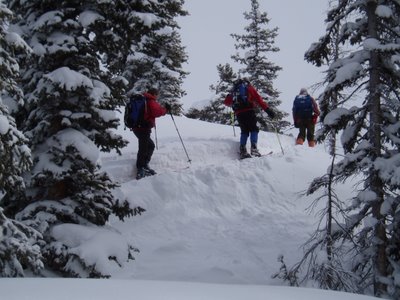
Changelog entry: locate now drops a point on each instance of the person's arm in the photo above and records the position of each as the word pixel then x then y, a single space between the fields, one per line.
pixel 256 98
pixel 228 100
pixel 156 110
pixel 316 111
pixel 315 107
pixel 295 118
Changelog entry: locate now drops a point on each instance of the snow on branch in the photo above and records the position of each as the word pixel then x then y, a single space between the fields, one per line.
pixel 69 79
pixel 372 44
pixel 102 249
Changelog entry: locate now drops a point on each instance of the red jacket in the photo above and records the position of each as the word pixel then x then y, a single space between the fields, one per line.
pixel 252 96
pixel 153 110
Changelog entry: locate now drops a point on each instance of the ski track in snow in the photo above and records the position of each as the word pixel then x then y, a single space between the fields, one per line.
pixel 201 215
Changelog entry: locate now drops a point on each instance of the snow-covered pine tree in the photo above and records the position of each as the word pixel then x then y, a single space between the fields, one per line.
pixel 69 115
pixel 370 133
pixel 18 248
pixel 254 46
pixel 327 268
pixel 226 79
pixel 216 111
pixel 14 153
pixel 156 56
pixel 18 243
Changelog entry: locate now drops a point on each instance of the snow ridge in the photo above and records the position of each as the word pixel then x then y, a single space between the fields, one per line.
pixel 218 219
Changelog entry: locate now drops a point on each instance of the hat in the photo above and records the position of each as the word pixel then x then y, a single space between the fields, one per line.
pixel 153 91
pixel 241 80
pixel 303 91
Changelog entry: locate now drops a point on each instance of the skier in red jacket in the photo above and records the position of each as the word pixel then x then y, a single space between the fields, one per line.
pixel 243 99
pixel 146 147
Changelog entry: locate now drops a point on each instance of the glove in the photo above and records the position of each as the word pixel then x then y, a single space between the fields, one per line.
pixel 167 107
pixel 270 113
pixel 315 119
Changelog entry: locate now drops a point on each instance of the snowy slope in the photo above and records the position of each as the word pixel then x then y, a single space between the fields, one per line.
pixel 212 229
pixel 86 289
pixel 217 219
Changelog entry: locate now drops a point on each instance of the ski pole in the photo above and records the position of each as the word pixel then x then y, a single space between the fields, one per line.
pixel 184 148
pixel 279 140
pixel 155 133
pixel 233 123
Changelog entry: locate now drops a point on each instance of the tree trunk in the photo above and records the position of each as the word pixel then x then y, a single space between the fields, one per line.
pixel 380 262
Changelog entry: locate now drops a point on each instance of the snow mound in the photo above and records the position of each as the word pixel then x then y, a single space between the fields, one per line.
pixel 217 219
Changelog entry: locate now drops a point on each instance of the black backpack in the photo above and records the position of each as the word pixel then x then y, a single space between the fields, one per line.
pixel 134 112
pixel 239 96
pixel 303 107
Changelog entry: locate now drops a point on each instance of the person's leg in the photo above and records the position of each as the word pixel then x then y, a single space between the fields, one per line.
pixel 302 133
pixel 244 133
pixel 150 149
pixel 142 137
pixel 253 128
pixel 254 138
pixel 310 133
pixel 253 149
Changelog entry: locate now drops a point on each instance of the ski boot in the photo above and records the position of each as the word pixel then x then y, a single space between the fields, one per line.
pixel 299 141
pixel 149 170
pixel 243 152
pixel 254 151
pixel 142 172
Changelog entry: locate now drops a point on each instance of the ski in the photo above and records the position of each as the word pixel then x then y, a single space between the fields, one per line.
pixel 177 170
pixel 262 155
pixel 241 158
pixel 138 177
pixel 269 153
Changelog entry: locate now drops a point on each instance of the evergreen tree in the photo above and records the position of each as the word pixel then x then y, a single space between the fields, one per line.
pixel 255 45
pixel 14 153
pixel 216 111
pixel 18 248
pixel 167 56
pixel 370 133
pixel 68 115
pixel 18 243
pixel 152 53
pixel 328 268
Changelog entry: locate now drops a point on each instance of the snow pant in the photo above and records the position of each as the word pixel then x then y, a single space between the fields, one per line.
pixel 306 129
pixel 146 147
pixel 248 126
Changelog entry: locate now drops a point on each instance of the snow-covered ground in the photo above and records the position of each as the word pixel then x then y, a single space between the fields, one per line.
pixel 87 289
pixel 213 228
pixel 217 219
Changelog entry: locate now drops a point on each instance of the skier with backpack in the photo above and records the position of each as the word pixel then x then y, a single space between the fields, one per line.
pixel 243 99
pixel 305 116
pixel 140 114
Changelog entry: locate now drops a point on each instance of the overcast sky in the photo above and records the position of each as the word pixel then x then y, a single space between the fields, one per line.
pixel 206 36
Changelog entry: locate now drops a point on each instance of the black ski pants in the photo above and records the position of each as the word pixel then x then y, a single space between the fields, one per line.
pixel 248 126
pixel 146 147
pixel 306 129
